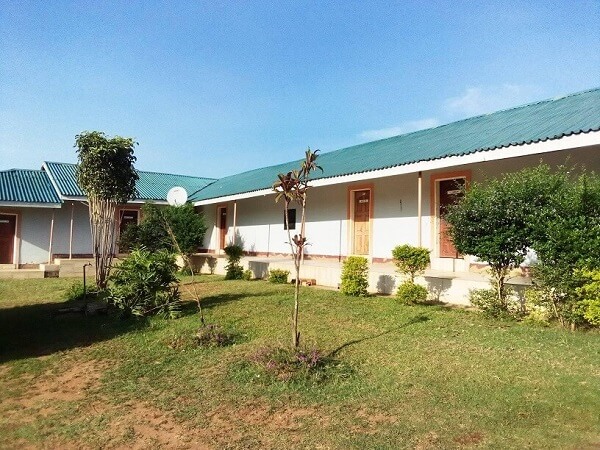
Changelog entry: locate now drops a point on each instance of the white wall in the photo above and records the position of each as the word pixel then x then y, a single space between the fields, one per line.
pixel 35 226
pixel 260 220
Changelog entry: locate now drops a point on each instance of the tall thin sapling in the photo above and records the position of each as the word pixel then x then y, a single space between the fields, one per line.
pixel 293 187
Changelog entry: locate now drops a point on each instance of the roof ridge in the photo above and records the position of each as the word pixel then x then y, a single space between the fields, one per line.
pixel 14 169
pixel 139 170
pixel 176 174
pixel 466 119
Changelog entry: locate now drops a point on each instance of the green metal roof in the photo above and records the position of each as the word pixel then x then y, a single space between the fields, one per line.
pixel 27 186
pixel 535 122
pixel 150 186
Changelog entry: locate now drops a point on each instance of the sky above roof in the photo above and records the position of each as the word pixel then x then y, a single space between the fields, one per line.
pixel 216 88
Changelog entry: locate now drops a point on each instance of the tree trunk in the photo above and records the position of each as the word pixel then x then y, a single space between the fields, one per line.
pixel 103 224
pixel 296 255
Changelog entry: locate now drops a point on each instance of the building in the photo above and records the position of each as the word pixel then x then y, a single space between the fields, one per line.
pixel 368 199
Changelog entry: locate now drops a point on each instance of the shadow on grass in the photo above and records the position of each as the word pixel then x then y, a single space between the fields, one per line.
pixel 419 318
pixel 211 301
pixel 34 330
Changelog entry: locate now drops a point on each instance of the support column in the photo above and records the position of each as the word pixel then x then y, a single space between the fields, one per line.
pixel 420 209
pixel 234 222
pixel 51 236
pixel 71 232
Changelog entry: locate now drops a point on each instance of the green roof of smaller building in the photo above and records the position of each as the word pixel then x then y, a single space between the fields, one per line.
pixel 150 185
pixel 27 186
pixel 535 122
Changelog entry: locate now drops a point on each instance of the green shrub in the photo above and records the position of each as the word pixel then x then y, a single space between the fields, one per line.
pixel 589 293
pixel 144 284
pixel 75 292
pixel 247 275
pixel 491 306
pixel 234 271
pixel 355 276
pixel 278 276
pixel 411 261
pixel 409 292
pixel 538 306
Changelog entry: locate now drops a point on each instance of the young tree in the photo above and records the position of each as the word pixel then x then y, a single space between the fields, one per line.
pixel 152 233
pixel 493 220
pixel 106 175
pixel 293 188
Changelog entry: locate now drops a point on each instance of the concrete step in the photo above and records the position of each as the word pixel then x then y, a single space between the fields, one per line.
pixel 21 274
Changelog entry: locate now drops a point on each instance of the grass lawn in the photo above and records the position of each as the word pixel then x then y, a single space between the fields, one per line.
pixel 408 377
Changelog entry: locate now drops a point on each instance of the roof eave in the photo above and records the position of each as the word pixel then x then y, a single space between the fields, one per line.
pixel 573 141
pixel 29 205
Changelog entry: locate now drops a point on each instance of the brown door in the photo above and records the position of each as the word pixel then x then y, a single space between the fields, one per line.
pixel 8 230
pixel 128 217
pixel 222 226
pixel 362 225
pixel 450 193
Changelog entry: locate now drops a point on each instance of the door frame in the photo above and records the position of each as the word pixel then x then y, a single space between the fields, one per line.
pixel 120 211
pixel 351 195
pixel 434 202
pixel 17 238
pixel 221 231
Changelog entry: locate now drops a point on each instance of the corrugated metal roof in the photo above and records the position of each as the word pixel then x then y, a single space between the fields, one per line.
pixel 27 186
pixel 150 186
pixel 540 121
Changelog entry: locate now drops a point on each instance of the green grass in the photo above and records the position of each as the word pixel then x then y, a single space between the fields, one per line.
pixel 410 376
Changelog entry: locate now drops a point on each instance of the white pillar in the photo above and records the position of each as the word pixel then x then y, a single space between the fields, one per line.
pixel 71 232
pixel 51 236
pixel 420 208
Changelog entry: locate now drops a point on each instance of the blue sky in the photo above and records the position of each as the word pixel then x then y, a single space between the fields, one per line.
pixel 214 88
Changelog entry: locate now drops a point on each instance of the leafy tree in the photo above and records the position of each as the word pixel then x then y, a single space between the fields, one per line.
pixel 494 220
pixel 554 212
pixel 175 229
pixel 153 234
pixel 567 242
pixel 106 175
pixel 293 187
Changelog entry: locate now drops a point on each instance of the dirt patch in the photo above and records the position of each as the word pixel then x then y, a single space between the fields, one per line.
pixel 71 385
pixel 430 441
pixel 145 426
pixel 262 422
pixel 469 439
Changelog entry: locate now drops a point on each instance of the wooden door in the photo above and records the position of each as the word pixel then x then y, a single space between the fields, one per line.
pixel 8 230
pixel 127 218
pixel 362 223
pixel 222 212
pixel 450 192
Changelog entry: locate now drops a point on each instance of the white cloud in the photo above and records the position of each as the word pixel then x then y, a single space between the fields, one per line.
pixel 406 127
pixel 478 100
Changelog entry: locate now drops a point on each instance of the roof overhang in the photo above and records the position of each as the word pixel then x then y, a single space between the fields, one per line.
pixel 571 142
pixel 29 205
pixel 131 202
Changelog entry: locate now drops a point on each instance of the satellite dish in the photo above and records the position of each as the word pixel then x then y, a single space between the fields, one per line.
pixel 177 196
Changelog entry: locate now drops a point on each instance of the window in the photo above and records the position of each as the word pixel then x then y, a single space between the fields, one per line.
pixel 291 219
